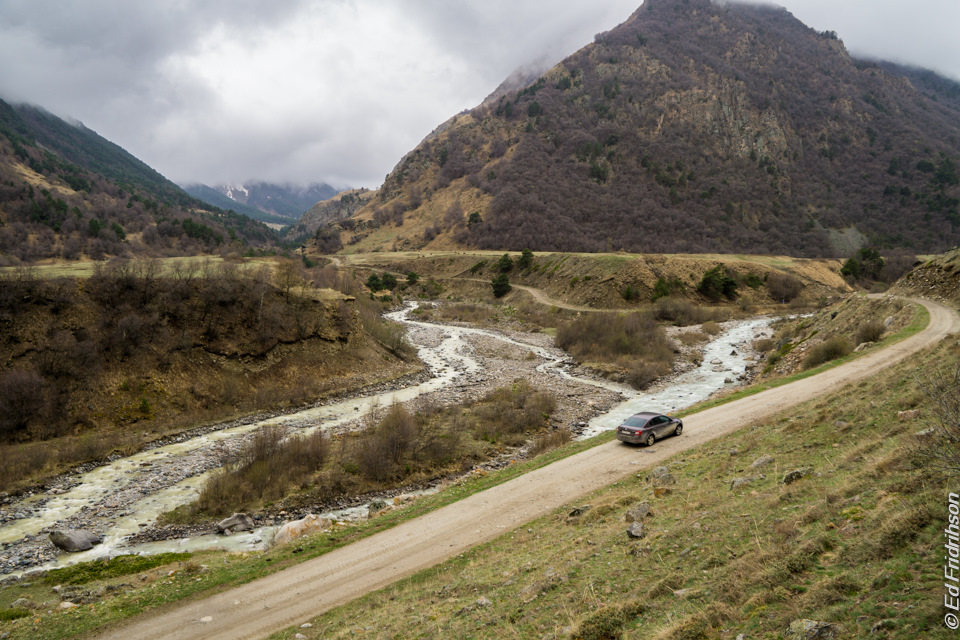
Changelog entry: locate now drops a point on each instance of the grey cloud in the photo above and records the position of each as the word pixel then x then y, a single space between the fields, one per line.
pixel 335 90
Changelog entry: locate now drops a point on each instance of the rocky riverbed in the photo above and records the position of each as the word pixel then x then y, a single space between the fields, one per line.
pixel 122 499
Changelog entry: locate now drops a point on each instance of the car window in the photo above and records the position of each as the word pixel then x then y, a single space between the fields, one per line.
pixel 634 421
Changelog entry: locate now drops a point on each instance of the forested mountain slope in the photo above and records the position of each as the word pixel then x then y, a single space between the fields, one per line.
pixel 691 127
pixel 66 192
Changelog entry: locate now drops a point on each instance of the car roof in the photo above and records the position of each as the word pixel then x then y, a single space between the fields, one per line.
pixel 646 414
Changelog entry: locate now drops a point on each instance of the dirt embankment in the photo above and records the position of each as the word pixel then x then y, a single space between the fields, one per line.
pixel 602 281
pixel 104 364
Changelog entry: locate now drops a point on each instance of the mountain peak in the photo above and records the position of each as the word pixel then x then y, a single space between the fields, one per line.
pixel 691 127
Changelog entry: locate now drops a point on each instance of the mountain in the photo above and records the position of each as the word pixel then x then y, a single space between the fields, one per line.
pixel 66 192
pixel 271 203
pixel 691 127
pixel 326 214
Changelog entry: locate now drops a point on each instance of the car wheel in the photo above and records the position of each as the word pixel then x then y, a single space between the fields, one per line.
pixel 650 440
pixel 678 430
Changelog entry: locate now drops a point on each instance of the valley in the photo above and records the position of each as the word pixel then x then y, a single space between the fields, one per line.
pixel 296 595
pixel 126 496
pixel 710 210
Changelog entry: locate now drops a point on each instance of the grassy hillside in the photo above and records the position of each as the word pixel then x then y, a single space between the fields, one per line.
pixel 729 548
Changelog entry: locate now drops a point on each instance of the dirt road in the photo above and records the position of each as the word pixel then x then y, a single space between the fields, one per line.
pixel 297 594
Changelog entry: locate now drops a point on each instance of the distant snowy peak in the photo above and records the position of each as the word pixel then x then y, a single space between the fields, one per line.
pixel 235 192
pixel 278 203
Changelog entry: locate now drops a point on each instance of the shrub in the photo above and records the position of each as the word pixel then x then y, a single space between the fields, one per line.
pixel 683 313
pixel 501 285
pixel 830 349
pixel 717 283
pixel 505 263
pixel 526 259
pixel 942 389
pixel 609 621
pixel 266 468
pixel 870 331
pixel 374 283
pixel 764 344
pixel 14 613
pixel 550 441
pixel 389 281
pixel 111 568
pixel 21 399
pixel 634 342
pixel 505 414
pixel 783 287
pixel 380 454
pixel 660 290
pixel 711 328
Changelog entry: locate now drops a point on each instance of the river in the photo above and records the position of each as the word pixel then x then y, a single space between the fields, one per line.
pixel 123 496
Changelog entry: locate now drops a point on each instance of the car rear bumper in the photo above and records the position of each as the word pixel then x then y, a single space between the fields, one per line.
pixel 632 437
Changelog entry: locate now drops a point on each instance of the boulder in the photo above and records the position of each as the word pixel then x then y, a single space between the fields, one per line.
pixel 661 476
pixel 309 525
pixel 579 511
pixel 236 522
pixel 635 530
pixel 73 540
pixel 376 506
pixel 908 416
pixel 812 630
pixel 761 462
pixel 792 476
pixel 639 512
pixel 739 483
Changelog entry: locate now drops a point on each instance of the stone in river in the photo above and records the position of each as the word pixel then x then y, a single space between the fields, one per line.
pixel 72 540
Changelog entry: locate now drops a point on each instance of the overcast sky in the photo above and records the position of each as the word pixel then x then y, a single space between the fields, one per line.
pixel 337 91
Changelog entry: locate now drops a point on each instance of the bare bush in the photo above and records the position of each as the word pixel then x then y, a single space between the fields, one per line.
pixel 389 334
pixel 830 349
pixel 942 388
pixel 550 441
pixel 711 328
pixel 683 313
pixel 764 344
pixel 870 331
pixel 783 287
pixel 266 468
pixel 21 399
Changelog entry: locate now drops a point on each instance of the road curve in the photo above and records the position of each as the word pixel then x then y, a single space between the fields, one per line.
pixel 295 595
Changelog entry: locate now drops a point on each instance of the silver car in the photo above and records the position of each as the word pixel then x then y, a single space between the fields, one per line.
pixel 648 427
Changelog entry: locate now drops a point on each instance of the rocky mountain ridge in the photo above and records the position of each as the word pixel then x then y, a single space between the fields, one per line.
pixel 272 203
pixel 691 127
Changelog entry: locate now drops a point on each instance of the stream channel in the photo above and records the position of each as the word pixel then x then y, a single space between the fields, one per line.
pixel 127 494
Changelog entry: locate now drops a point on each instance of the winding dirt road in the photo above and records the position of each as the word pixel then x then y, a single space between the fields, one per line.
pixel 295 595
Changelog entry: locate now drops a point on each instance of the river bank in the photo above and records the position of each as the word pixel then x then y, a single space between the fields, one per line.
pixel 121 500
